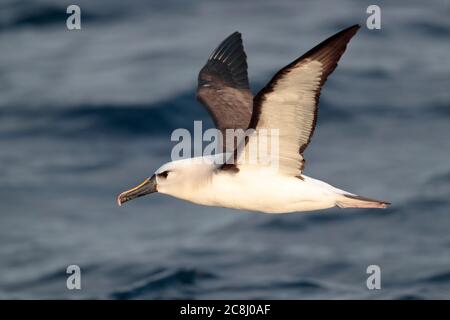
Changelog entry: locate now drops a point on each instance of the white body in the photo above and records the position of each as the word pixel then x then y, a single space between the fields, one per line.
pixel 265 192
pixel 251 188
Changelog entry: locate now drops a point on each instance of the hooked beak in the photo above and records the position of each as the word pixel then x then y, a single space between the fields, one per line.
pixel 146 187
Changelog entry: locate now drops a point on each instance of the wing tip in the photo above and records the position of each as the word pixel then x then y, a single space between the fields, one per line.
pixel 348 33
pixel 234 39
pixel 229 62
pixel 356 26
pixel 352 29
pixel 331 49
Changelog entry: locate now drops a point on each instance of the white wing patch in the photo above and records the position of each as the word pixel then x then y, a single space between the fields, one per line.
pixel 291 108
pixel 288 104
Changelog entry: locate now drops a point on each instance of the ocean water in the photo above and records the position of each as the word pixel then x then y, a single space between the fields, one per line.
pixel 86 114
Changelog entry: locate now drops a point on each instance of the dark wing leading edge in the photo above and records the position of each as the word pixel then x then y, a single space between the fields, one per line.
pixel 289 101
pixel 223 86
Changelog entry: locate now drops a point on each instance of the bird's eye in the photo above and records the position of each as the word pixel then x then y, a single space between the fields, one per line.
pixel 163 174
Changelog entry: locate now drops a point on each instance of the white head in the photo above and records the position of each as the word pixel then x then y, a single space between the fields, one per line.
pixel 177 178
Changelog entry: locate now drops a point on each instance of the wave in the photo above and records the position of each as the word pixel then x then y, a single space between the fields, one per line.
pixel 179 280
pixel 54 277
pixel 430 28
pixel 437 278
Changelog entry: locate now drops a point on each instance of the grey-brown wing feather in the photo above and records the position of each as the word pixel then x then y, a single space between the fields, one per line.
pixel 223 86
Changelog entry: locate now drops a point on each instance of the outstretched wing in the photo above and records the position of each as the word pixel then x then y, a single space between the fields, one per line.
pixel 223 85
pixel 289 101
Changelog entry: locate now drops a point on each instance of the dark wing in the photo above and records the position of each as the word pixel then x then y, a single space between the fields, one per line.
pixel 289 101
pixel 223 86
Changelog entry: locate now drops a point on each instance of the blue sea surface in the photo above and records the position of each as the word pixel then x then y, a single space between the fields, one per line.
pixel 87 114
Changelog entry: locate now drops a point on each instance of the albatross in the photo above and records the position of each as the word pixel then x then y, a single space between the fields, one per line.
pixel 289 104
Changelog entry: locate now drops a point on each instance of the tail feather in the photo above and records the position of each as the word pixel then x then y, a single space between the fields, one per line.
pixel 354 201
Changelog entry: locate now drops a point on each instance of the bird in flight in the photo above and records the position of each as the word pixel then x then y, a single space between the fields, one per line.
pixel 288 104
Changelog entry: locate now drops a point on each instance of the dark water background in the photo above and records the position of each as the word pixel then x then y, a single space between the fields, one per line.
pixel 86 114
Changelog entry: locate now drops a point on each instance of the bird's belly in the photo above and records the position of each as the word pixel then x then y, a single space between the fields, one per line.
pixel 279 195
